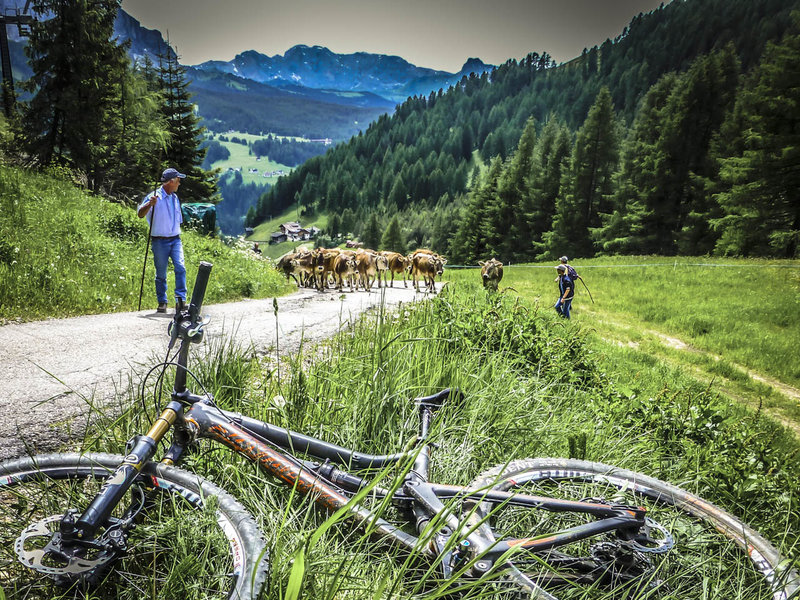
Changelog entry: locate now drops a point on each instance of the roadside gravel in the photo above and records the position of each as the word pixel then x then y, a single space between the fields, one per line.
pixel 49 370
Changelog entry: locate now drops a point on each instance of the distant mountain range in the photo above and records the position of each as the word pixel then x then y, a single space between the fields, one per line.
pixel 309 91
pixel 317 67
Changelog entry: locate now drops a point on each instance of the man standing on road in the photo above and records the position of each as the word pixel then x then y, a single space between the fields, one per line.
pixel 566 287
pixel 163 211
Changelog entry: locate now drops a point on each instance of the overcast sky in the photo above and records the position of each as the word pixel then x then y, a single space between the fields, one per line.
pixel 439 34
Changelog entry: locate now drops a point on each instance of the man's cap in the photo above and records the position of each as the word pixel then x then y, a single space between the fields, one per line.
pixel 171 174
pixel 560 268
pixel 563 259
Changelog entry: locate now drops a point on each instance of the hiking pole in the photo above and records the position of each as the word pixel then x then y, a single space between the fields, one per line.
pixel 587 289
pixel 147 248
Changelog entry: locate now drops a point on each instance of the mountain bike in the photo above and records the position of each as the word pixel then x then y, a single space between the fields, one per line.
pixel 104 526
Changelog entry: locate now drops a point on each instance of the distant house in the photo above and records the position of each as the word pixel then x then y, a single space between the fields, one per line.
pixel 294 232
pixel 277 237
pixel 248 231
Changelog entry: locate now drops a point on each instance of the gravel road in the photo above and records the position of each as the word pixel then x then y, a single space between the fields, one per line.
pixel 49 368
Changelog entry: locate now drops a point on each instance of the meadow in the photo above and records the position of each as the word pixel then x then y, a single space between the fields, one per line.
pixel 731 323
pixel 534 385
pixel 241 158
pixel 64 252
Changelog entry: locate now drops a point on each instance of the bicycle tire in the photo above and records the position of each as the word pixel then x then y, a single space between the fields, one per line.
pixel 765 573
pixel 192 524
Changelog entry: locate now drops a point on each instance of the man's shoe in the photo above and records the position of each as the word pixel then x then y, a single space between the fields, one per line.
pixel 162 307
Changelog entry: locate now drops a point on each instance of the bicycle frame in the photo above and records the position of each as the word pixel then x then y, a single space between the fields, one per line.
pixel 329 486
pixel 273 448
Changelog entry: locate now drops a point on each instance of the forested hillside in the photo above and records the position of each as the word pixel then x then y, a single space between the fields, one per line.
pixel 657 141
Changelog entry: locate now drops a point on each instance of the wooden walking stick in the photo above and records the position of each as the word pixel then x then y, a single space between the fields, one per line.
pixel 587 289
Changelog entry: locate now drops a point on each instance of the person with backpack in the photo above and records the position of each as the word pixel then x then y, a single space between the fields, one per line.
pixel 566 288
pixel 573 274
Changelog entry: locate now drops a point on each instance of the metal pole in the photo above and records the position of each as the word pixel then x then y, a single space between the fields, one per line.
pixel 147 248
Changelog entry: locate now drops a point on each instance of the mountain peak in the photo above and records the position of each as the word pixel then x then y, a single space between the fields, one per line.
pixel 474 65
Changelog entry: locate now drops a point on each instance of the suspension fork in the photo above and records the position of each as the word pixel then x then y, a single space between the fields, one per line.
pixel 109 496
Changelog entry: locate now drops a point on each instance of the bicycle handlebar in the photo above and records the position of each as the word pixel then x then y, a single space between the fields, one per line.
pixel 199 291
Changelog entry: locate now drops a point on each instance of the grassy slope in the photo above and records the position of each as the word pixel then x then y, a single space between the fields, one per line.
pixel 263 230
pixel 64 252
pixel 731 318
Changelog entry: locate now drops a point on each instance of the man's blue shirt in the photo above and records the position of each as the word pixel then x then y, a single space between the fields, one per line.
pixel 168 217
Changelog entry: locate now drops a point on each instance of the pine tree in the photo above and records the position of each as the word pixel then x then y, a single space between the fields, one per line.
pixel 335 226
pixel 184 150
pixel 586 191
pixel 393 237
pixel 474 228
pixel 77 70
pixel 552 159
pixel 758 167
pixel 508 214
pixel 371 236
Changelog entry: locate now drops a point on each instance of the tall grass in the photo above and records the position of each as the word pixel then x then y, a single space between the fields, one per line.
pixel 747 310
pixel 533 387
pixel 64 252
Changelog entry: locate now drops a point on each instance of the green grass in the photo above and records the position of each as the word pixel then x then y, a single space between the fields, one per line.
pixel 734 315
pixel 64 252
pixel 241 158
pixel 534 386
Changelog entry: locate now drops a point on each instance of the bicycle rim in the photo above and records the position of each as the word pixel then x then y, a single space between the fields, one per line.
pixel 714 555
pixel 190 541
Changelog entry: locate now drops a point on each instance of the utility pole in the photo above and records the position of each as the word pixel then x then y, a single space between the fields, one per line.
pixel 23 22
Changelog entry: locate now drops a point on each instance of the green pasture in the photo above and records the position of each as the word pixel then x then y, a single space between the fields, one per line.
pixel 241 158
pixel 64 252
pixel 263 230
pixel 715 318
pixel 533 385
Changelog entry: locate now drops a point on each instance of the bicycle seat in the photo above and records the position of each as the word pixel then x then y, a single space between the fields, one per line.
pixel 436 401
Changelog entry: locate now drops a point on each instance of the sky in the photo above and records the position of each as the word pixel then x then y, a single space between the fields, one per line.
pixel 438 34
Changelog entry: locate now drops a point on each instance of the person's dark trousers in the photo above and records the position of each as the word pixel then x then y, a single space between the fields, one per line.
pixel 163 250
pixel 563 307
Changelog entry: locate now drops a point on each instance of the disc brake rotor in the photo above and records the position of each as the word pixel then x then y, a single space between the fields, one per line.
pixel 38 548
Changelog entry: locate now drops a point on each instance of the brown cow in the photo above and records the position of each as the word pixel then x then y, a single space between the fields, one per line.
pixel 344 267
pixel 397 263
pixel 285 266
pixel 303 263
pixel 426 266
pixel 491 273
pixel 368 264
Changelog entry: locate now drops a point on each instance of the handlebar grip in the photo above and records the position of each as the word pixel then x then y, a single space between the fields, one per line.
pixel 199 291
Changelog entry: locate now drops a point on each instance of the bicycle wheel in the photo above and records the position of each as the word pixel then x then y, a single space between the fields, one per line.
pixel 191 540
pixel 714 556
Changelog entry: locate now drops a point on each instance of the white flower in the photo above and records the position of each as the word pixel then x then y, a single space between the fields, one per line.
pixel 279 401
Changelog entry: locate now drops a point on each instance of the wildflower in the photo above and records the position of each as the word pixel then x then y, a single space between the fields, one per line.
pixel 279 401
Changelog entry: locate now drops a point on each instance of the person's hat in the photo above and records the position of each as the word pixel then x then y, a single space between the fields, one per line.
pixel 563 259
pixel 560 268
pixel 171 174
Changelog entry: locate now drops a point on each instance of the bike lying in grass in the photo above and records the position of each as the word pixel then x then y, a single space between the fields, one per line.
pixel 105 526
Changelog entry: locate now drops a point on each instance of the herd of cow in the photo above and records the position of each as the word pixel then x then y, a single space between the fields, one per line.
pixel 360 268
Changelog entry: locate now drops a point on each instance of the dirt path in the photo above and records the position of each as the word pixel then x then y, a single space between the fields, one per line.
pixel 49 370
pixel 675 343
